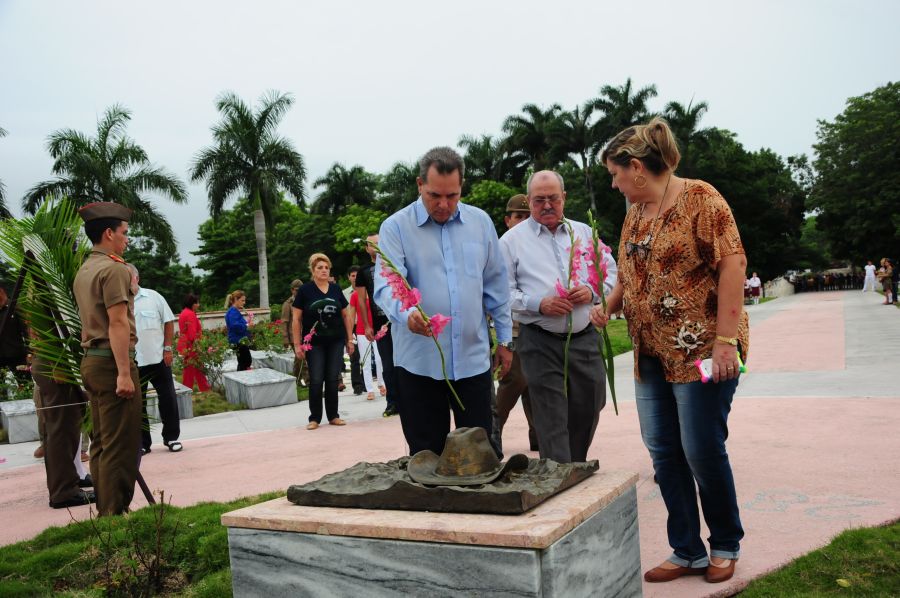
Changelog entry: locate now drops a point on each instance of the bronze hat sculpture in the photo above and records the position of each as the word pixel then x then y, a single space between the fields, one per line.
pixel 104 209
pixel 518 203
pixel 467 460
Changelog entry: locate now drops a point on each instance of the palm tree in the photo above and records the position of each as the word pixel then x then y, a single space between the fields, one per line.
pixel 576 132
pixel 108 167
pixel 487 158
pixel 530 135
pixel 622 107
pixel 344 188
pixel 684 122
pixel 4 211
pixel 248 156
pixel 397 187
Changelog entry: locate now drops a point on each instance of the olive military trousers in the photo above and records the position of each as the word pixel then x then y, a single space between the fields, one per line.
pixel 116 433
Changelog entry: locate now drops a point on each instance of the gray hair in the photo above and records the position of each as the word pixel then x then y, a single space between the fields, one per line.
pixel 134 270
pixel 445 160
pixel 562 183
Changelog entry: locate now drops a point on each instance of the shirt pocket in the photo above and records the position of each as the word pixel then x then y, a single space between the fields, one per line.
pixel 473 257
pixel 148 320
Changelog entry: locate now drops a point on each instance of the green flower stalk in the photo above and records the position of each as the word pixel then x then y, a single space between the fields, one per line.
pixel 596 277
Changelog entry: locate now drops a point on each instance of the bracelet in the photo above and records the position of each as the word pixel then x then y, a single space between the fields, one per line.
pixel 729 340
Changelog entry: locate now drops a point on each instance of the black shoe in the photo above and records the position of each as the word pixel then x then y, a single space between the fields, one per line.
pixel 174 446
pixel 358 390
pixel 81 499
pixel 391 410
pixel 87 482
pixel 146 450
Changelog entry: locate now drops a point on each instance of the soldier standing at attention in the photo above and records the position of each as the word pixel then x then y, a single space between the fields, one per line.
pixel 106 306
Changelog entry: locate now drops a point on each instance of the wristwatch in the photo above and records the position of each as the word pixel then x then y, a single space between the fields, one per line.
pixel 167 348
pixel 511 345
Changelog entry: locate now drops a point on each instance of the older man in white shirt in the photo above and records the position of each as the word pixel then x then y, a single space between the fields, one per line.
pixel 537 256
pixel 155 325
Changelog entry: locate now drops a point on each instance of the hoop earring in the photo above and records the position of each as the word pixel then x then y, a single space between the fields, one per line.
pixel 642 183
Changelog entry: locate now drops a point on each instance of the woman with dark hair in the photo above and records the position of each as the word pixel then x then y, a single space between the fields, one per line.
pixel 189 330
pixel 238 335
pixel 681 274
pixel 321 309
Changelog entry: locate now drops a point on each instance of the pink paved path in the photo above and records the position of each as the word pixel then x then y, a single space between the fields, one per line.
pixel 806 468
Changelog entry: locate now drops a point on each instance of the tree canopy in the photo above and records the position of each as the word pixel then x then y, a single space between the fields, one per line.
pixel 856 192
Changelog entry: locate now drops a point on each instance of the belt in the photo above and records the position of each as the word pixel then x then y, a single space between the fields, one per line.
pixel 560 335
pixel 100 352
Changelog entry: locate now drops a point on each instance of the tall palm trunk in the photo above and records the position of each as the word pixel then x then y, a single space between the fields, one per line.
pixel 586 168
pixel 259 226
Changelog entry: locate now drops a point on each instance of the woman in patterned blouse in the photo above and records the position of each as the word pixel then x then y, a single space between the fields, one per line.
pixel 681 277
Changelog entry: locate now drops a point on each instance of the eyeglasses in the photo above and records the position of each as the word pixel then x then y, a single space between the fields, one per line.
pixel 550 199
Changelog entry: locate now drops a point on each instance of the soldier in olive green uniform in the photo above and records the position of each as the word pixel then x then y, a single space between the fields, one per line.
pixel 106 305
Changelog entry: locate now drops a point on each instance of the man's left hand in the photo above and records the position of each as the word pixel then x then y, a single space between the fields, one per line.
pixel 167 358
pixel 581 294
pixel 503 356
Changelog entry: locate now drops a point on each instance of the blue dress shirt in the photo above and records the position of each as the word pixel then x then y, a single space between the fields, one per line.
pixel 458 268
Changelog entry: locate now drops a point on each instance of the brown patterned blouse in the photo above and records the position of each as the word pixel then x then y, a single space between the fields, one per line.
pixel 670 279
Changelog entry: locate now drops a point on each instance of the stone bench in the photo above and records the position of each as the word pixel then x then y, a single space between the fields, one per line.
pixel 19 420
pixel 184 396
pixel 259 388
pixel 582 542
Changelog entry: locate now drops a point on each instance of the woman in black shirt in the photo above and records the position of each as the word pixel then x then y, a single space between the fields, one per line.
pixel 321 305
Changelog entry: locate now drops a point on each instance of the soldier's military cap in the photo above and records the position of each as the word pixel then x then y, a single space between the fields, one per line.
pixel 104 209
pixel 517 203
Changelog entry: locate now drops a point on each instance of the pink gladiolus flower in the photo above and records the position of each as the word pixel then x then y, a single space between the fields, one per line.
pixel 561 290
pixel 408 297
pixel 576 262
pixel 437 322
pixel 306 346
pixel 309 335
pixel 381 332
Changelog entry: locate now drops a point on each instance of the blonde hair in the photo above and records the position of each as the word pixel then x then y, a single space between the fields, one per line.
pixel 232 297
pixel 653 144
pixel 316 258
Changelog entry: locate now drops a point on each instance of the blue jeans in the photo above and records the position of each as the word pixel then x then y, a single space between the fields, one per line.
pixel 684 426
pixel 324 361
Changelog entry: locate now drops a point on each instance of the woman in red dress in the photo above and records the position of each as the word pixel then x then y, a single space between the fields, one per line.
pixel 189 331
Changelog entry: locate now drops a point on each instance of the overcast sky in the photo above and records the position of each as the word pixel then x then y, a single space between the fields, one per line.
pixel 378 82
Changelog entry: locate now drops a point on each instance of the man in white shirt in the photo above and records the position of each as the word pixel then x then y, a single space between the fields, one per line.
pixel 869 282
pixel 155 325
pixel 537 257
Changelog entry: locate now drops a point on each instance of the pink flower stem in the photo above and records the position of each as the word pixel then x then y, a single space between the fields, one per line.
pixel 425 317
pixel 572 250
pixel 604 341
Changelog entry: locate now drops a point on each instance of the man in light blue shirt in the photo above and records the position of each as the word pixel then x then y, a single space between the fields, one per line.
pixel 537 255
pixel 449 251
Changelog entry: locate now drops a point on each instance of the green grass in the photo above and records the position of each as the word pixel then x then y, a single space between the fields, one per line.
pixel 207 403
pixel 97 558
pixel 859 562
pixel 618 336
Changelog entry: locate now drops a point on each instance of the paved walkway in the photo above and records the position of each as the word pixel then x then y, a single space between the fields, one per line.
pixel 813 443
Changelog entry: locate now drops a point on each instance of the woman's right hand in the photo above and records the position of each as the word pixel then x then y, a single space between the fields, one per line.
pixel 299 352
pixel 599 317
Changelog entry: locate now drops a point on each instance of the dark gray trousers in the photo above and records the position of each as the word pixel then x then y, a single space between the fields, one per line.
pixel 565 425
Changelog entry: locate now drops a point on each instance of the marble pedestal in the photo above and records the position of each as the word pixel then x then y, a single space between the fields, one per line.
pixel 19 420
pixel 184 396
pixel 259 388
pixel 582 542
pixel 283 362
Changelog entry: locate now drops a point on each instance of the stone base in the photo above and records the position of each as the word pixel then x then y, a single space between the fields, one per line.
pixel 283 362
pixel 184 396
pixel 259 388
pixel 19 420
pixel 579 543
